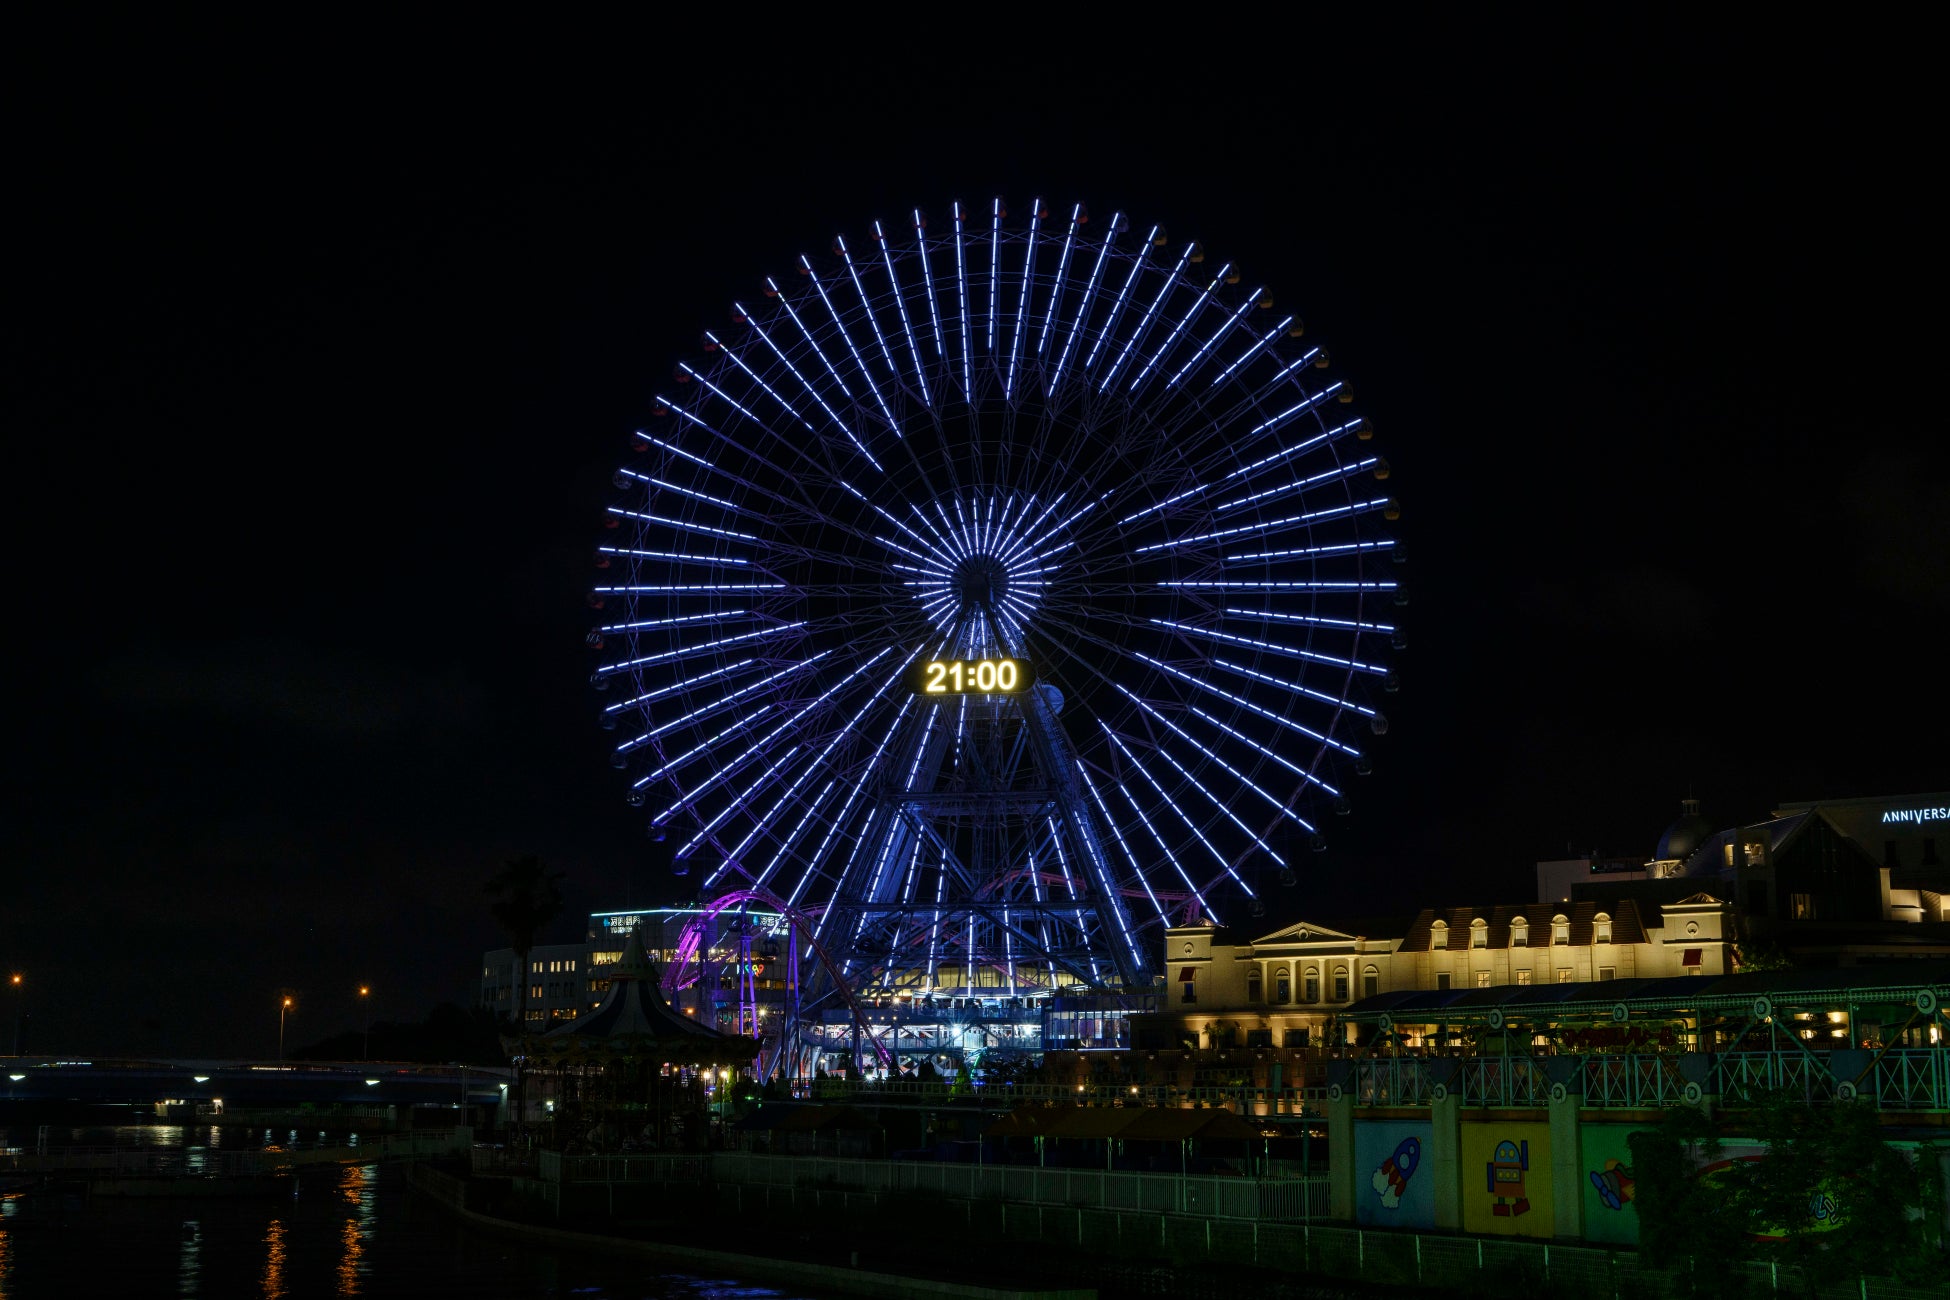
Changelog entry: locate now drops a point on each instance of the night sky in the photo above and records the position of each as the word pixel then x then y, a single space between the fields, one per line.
pixel 315 380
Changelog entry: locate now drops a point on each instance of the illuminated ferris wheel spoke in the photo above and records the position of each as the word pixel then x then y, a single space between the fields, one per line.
pixel 731 355
pixel 1220 804
pixel 914 349
pixel 1178 330
pixel 1225 865
pixel 847 338
pixel 995 268
pixel 1296 552
pixel 691 651
pixel 1138 264
pixel 706 710
pixel 1117 832
pixel 1022 297
pixel 751 323
pixel 1232 771
pixel 866 305
pixel 636 553
pixel 1056 285
pixel 1164 848
pixel 1225 327
pixel 1311 619
pixel 1272 647
pixel 1352 469
pixel 679 687
pixel 854 790
pixel 961 284
pixel 927 279
pixel 1278 719
pixel 1165 286
pixel 1260 345
pixel 1270 525
pixel 737 802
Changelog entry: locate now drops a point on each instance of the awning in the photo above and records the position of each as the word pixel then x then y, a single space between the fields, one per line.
pixel 1690 957
pixel 1186 973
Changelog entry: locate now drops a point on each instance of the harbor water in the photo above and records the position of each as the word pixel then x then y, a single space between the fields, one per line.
pixel 339 1230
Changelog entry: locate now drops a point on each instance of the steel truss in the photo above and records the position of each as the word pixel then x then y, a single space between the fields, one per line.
pixel 1077 443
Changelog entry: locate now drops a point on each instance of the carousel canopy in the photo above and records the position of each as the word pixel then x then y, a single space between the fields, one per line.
pixel 634 1020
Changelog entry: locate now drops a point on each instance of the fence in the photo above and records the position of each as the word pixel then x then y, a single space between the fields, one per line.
pixel 193 1161
pixel 1402 1259
pixel 1902 1079
pixel 1284 1200
pixel 1243 1100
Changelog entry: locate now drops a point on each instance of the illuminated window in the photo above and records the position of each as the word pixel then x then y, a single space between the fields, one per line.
pixel 1479 933
pixel 1482 979
pixel 1601 929
pixel 1563 974
pixel 1560 929
pixel 1519 933
pixel 1801 906
pixel 1523 978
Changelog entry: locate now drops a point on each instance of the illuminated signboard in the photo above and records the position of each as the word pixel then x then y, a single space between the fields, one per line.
pixel 972 677
pixel 1915 815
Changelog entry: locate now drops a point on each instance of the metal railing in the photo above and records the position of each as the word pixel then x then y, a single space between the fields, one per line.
pixel 1241 1099
pixel 1278 1200
pixel 1906 1079
pixel 187 1162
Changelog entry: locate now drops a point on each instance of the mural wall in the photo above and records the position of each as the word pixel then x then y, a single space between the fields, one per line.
pixel 1605 1166
pixel 1506 1179
pixel 1392 1188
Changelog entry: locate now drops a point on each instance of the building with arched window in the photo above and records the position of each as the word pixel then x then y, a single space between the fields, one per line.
pixel 1286 989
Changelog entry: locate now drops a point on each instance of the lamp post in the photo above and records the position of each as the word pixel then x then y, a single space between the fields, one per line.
pixel 16 982
pixel 284 1005
pixel 365 1000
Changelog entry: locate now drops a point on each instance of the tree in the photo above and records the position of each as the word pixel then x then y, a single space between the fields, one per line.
pixel 1830 1197
pixel 526 897
pixel 1681 1219
pixel 1834 1199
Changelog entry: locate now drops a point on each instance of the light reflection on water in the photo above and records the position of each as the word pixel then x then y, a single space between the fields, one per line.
pixel 274 1261
pixel 320 1236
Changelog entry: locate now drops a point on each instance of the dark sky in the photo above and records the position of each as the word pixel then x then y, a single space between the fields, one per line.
pixel 316 379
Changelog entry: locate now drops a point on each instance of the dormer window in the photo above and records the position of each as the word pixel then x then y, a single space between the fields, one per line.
pixel 1439 935
pixel 1560 929
pixel 1601 929
pixel 1479 933
pixel 1519 932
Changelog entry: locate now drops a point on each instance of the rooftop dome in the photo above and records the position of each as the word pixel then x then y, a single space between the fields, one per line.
pixel 1683 838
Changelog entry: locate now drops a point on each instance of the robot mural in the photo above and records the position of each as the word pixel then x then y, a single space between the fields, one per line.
pixel 1506 1170
pixel 1391 1179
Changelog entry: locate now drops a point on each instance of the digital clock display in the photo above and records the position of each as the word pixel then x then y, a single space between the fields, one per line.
pixel 972 677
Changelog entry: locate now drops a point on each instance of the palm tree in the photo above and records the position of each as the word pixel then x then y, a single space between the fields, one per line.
pixel 527 896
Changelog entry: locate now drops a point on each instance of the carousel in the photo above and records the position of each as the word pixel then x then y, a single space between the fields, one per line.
pixel 632 1074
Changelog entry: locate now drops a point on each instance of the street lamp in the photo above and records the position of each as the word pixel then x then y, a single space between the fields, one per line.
pixel 365 1000
pixel 15 980
pixel 283 1006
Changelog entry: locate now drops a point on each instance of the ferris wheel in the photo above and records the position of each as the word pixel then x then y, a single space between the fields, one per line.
pixel 996 591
